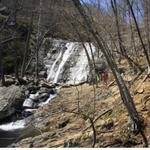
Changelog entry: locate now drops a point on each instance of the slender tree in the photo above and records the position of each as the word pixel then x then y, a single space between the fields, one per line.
pixel 139 34
pixel 124 92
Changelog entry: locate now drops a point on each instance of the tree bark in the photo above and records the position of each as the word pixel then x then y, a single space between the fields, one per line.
pixel 139 33
pixel 124 92
pixel 26 47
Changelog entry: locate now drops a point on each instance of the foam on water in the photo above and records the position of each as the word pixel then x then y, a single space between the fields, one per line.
pixel 51 72
pixel 19 124
pixel 48 100
pixel 65 57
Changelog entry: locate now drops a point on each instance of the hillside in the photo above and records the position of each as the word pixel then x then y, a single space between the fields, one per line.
pixel 63 126
pixel 74 73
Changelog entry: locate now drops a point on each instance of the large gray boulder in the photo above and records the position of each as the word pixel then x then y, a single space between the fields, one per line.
pixel 11 99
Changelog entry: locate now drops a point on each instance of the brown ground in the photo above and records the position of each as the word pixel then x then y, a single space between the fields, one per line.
pixel 59 128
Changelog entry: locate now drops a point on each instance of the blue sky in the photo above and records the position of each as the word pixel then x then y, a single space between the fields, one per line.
pixel 106 3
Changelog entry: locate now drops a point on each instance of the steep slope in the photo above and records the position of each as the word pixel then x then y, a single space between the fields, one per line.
pixel 58 127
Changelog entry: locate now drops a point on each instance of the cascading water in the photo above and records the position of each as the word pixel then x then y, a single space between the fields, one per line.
pixel 65 57
pixel 19 124
pixel 51 72
pixel 66 62
pixel 70 66
pixel 80 70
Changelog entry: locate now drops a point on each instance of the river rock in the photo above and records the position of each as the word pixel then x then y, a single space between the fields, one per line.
pixel 43 97
pixel 34 97
pixel 28 103
pixel 52 91
pixel 43 90
pixel 11 99
pixel 33 89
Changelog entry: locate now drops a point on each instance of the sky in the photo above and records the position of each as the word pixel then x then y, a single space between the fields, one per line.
pixel 105 4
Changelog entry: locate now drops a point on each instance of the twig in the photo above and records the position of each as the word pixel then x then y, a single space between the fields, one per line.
pixel 111 83
pixel 91 121
pixel 9 40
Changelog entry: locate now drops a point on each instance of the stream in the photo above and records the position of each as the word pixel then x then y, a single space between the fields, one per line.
pixel 65 63
pixel 18 126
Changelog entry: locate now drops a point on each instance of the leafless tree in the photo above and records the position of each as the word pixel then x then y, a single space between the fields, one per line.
pixel 124 92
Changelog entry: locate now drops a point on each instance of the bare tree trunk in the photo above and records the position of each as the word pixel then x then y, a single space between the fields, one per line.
pixel 124 92
pixel 139 33
pixel 122 48
pixel 38 40
pixel 115 10
pixel 26 47
pixel 146 20
pixel 132 37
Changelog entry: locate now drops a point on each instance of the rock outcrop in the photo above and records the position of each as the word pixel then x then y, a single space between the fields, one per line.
pixel 11 99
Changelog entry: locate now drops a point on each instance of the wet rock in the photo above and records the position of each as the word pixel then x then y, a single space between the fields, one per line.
pixel 11 99
pixel 43 97
pixel 34 97
pixel 43 90
pixel 33 89
pixel 26 113
pixel 28 103
pixel 52 91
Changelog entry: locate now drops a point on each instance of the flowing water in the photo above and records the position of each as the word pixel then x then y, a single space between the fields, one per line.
pixel 65 57
pixel 70 56
pixel 51 72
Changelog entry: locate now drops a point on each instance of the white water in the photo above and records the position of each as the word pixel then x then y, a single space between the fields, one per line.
pixel 51 72
pixel 48 100
pixel 65 57
pixel 19 124
pixel 80 71
pixel 70 66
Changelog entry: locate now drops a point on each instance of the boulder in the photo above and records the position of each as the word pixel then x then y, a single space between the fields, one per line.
pixel 28 103
pixel 11 99
pixel 43 97
pixel 33 89
pixel 43 90
pixel 34 97
pixel 52 91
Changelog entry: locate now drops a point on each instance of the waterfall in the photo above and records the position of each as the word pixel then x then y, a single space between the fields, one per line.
pixel 66 55
pixel 73 59
pixel 80 70
pixel 51 72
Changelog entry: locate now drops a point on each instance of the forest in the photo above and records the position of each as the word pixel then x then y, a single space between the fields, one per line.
pixel 74 73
